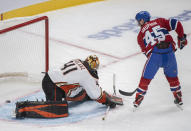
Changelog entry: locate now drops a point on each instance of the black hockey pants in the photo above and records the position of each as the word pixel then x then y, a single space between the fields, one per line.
pixel 52 92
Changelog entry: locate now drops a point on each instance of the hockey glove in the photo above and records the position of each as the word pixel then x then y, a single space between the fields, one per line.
pixel 106 99
pixel 182 42
pixel 110 104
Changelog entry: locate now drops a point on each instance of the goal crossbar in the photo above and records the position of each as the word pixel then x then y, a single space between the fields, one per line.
pixel 35 20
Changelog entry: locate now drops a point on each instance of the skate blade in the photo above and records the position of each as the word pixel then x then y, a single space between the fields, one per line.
pixel 135 109
pixel 180 107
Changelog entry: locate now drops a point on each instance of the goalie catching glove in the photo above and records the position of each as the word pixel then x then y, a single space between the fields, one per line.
pixel 110 100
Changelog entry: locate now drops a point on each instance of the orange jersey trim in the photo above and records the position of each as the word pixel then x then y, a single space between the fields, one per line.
pixel 81 97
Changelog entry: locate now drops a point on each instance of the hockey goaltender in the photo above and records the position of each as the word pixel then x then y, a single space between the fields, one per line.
pixel 77 80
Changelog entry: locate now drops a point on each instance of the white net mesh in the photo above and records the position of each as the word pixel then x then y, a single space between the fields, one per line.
pixel 22 51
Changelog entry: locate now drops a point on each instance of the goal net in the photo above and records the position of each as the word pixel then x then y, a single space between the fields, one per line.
pixel 24 48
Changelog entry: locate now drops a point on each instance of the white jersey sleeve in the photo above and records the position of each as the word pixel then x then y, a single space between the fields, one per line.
pixel 75 72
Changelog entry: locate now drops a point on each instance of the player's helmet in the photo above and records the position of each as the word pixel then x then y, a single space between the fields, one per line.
pixel 93 61
pixel 145 15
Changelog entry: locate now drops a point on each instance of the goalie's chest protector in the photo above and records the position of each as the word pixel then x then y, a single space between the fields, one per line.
pixel 74 72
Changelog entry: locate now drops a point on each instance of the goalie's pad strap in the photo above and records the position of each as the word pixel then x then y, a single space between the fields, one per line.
pixel 35 109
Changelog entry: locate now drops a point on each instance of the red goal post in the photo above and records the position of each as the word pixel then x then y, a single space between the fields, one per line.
pixel 24 47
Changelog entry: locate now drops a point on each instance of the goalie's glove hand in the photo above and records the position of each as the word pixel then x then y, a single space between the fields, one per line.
pixel 182 41
pixel 111 105
pixel 109 101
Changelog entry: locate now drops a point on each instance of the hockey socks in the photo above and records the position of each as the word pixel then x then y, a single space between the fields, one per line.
pixel 175 89
pixel 141 91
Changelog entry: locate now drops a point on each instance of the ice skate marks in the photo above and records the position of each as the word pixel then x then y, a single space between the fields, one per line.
pixel 77 112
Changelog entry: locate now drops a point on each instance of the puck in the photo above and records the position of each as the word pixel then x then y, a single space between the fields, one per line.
pixel 8 101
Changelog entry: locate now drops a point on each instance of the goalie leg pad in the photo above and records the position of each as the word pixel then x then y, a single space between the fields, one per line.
pixel 44 109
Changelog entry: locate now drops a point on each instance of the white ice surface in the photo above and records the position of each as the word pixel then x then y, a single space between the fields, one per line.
pixel 69 31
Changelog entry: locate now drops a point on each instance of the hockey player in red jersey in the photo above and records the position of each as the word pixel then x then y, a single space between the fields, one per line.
pixel 77 80
pixel 159 47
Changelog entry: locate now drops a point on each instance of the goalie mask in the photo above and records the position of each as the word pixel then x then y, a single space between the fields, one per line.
pixel 93 61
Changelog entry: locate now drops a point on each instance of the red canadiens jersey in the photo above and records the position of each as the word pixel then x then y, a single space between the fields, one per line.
pixel 157 30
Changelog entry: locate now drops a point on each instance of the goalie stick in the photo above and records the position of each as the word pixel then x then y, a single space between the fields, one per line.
pixel 127 93
pixel 114 93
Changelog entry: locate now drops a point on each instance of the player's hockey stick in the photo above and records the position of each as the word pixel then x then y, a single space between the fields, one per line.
pixel 114 93
pixel 127 93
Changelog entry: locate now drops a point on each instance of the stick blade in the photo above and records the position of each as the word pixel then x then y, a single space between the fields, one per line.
pixel 127 93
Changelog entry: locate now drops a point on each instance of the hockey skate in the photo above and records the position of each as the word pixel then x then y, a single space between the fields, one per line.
pixel 178 100
pixel 135 107
pixel 179 104
pixel 137 102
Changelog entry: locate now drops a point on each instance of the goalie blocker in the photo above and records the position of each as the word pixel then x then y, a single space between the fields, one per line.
pixel 41 109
